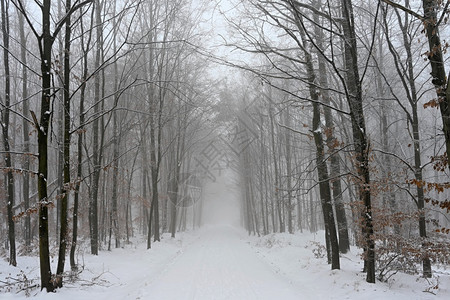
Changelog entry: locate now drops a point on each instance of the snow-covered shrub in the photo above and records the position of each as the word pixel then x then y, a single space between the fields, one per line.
pixel 274 240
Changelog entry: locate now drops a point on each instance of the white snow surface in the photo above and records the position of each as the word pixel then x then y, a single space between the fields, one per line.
pixel 221 261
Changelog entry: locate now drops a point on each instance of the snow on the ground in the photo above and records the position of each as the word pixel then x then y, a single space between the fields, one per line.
pixel 292 257
pixel 111 275
pixel 220 266
pixel 222 262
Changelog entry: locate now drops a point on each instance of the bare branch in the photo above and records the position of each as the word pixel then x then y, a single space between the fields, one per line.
pixel 405 9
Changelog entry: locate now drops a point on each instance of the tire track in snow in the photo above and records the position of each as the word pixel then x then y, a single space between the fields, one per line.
pixel 219 265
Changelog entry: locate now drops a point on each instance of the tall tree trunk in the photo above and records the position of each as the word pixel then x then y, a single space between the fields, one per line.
pixel 331 237
pixel 115 170
pixel 64 200
pixel 354 99
pixel 97 141
pixel 155 123
pixel 9 177
pixel 426 264
pixel 25 131
pixel 116 144
pixel 322 170
pixel 312 212
pixel 289 205
pixel 179 152
pixel 408 81
pixel 45 46
pixel 388 196
pixel 276 170
pixel 84 48
pixel 335 168
pixel 262 183
pixel 439 78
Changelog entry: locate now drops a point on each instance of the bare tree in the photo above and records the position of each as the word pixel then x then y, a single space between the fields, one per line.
pixel 5 107
pixel 410 89
pixel 45 43
pixel 432 22
pixel 25 129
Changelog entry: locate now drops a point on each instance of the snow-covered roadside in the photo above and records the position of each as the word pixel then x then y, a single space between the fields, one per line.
pixel 108 275
pixel 292 257
pixel 222 262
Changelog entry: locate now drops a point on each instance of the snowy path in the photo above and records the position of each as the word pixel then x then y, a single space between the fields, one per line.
pixel 219 265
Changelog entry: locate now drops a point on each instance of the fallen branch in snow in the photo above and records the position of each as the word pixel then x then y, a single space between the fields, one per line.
pixel 73 280
pixel 18 284
pixel 96 281
pixel 428 291
pixel 433 285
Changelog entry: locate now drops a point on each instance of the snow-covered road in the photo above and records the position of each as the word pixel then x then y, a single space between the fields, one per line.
pixel 218 265
pixel 220 261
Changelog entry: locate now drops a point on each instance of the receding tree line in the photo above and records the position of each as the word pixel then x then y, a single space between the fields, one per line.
pixel 106 108
pixel 119 93
pixel 333 76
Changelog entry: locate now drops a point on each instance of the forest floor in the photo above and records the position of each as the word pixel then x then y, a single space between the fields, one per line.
pixel 220 261
pixel 223 262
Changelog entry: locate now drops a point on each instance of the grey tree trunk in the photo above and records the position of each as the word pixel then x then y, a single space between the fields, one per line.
pixel 25 131
pixel 276 171
pixel 66 169
pixel 80 132
pixel 9 177
pixel 322 169
pixel 354 98
pixel 409 84
pixel 289 204
pixel 97 139
pixel 116 145
pixel 438 74
pixel 331 141
pixel 45 45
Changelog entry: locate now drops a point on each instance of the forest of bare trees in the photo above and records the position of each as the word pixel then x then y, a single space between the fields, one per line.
pixel 335 115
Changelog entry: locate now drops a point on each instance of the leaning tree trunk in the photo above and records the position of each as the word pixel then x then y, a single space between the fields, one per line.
pixel 331 238
pixel 360 139
pixel 331 141
pixel 322 169
pixel 439 78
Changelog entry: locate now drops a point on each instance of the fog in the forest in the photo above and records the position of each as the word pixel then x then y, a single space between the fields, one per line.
pixel 221 199
pixel 134 123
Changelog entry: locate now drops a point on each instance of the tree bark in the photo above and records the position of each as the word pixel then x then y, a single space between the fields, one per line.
pixel 354 99
pixel 276 170
pixel 288 170
pixel 25 131
pixel 97 140
pixel 322 169
pixel 80 132
pixel 66 169
pixel 439 79
pixel 45 47
pixel 335 168
pixel 9 177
